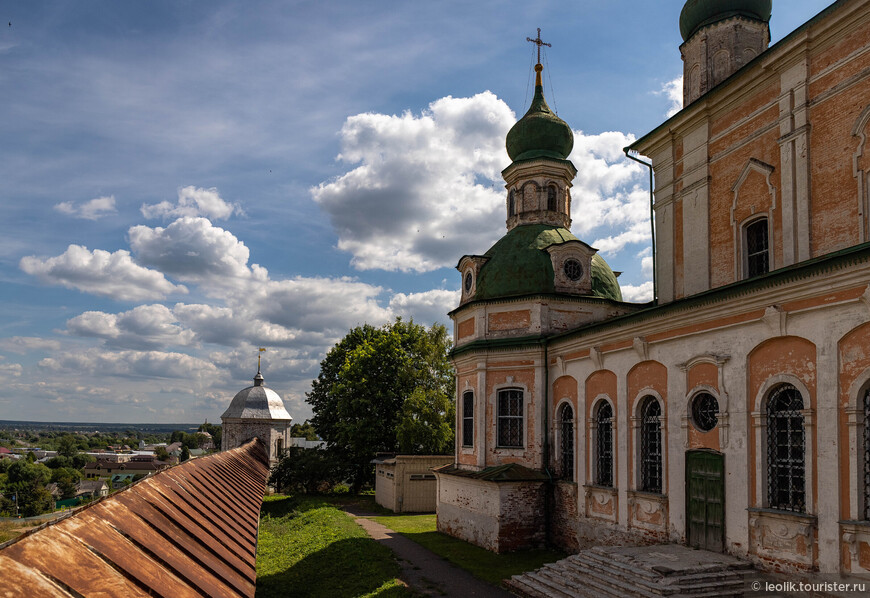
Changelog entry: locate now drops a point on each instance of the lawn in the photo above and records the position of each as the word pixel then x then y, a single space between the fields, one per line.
pixel 483 564
pixel 309 548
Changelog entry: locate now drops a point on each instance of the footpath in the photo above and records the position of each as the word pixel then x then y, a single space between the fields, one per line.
pixel 423 570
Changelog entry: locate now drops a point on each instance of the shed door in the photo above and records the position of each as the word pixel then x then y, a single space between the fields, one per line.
pixel 705 500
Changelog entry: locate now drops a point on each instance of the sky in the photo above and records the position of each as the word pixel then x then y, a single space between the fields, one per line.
pixel 183 182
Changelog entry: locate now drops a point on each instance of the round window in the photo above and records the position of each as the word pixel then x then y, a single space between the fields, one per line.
pixel 573 270
pixel 468 280
pixel 705 411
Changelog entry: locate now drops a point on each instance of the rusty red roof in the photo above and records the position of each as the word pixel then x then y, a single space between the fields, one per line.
pixel 189 531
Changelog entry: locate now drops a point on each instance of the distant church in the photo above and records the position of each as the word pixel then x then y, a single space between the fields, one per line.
pixel 257 412
pixel 733 412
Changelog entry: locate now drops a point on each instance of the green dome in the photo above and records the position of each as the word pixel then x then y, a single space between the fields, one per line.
pixel 540 133
pixel 519 265
pixel 697 13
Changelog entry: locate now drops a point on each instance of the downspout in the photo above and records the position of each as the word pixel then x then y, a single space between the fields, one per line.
pixel 652 220
pixel 546 448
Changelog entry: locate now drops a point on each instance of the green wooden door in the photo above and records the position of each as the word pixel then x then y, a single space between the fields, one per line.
pixel 705 500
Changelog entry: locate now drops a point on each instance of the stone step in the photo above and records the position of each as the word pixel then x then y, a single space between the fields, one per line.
pixel 683 583
pixel 613 573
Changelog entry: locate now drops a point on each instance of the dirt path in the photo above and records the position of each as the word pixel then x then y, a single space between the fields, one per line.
pixel 422 569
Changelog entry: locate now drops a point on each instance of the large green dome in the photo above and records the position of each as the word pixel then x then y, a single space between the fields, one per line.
pixel 697 13
pixel 540 133
pixel 519 265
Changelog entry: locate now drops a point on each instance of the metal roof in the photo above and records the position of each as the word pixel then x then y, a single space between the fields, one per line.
pixel 257 402
pixel 189 531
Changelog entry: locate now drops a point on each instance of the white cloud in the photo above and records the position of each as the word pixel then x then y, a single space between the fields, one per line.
pixel 10 370
pixel 192 249
pixel 133 364
pixel 192 202
pixel 673 91
pixel 637 293
pixel 89 210
pixel 26 344
pixel 427 187
pixel 427 307
pixel 143 327
pixel 99 272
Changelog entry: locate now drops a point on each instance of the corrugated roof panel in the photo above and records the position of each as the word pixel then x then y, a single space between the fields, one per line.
pixel 189 531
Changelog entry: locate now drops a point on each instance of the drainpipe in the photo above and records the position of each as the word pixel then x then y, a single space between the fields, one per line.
pixel 546 448
pixel 652 220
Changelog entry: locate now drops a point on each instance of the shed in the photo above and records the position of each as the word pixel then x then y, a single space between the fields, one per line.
pixel 405 483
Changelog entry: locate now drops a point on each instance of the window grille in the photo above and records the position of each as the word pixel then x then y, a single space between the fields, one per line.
pixel 566 442
pixel 705 411
pixel 651 446
pixel 551 199
pixel 867 454
pixel 757 255
pixel 786 443
pixel 510 418
pixel 468 419
pixel 604 445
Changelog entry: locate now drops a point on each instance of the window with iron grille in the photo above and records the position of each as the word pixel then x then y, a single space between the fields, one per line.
pixel 867 454
pixel 468 419
pixel 786 444
pixel 651 446
pixel 551 199
pixel 705 411
pixel 510 418
pixel 566 441
pixel 604 445
pixel 757 254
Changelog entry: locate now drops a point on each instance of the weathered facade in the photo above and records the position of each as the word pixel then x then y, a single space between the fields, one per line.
pixel 733 413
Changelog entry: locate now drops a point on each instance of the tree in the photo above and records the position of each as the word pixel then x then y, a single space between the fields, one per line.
pixel 362 394
pixel 305 471
pixel 68 446
pixel 185 453
pixel 304 430
pixel 27 482
pixel 161 454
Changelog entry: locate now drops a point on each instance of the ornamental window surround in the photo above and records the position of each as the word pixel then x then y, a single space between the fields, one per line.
pixel 604 445
pixel 651 450
pixel 566 441
pixel 510 418
pixel 468 419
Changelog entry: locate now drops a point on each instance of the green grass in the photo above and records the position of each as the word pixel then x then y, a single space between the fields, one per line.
pixel 9 530
pixel 309 548
pixel 481 563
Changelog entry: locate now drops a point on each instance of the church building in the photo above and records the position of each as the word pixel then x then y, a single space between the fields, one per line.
pixel 732 413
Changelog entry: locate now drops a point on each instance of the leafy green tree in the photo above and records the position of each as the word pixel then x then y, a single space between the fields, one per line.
pixel 426 424
pixel 305 471
pixel 177 436
pixel 216 432
pixel 185 453
pixel 161 454
pixel 27 480
pixel 304 430
pixel 359 398
pixel 68 446
pixel 66 479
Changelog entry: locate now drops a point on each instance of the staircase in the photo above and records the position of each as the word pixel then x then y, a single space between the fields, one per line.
pixel 636 572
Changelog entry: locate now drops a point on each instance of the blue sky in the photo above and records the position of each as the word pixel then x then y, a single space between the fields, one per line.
pixel 183 182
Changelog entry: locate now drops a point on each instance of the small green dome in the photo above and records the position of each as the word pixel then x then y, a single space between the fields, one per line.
pixel 697 13
pixel 519 265
pixel 540 133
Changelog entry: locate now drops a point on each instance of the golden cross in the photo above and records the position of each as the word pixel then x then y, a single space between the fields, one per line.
pixel 539 42
pixel 261 350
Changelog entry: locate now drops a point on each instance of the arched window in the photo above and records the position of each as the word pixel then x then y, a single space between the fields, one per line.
pixel 604 445
pixel 786 444
pixel 510 418
pixel 512 203
pixel 866 461
pixel 468 419
pixel 757 253
pixel 651 446
pixel 566 441
pixel 551 198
